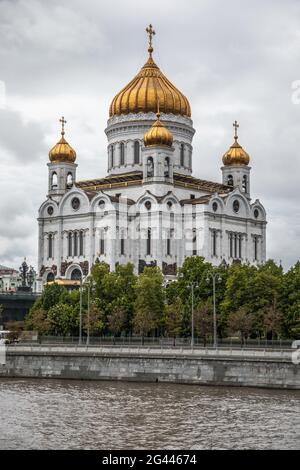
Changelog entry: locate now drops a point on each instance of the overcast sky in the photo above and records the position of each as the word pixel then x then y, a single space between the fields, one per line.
pixel 233 60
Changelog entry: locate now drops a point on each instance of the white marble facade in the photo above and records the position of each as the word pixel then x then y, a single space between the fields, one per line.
pixel 147 213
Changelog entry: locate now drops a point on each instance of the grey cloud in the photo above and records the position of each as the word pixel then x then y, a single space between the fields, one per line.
pixel 23 140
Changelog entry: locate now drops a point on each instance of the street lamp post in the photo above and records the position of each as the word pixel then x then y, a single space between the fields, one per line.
pixel 214 276
pixel 90 288
pixel 80 313
pixel 192 286
pixel 88 318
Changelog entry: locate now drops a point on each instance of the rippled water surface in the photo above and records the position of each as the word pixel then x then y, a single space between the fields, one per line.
pixel 52 414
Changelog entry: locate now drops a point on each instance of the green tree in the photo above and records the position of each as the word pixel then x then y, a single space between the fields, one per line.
pixel 97 276
pixel 241 322
pixel 203 319
pixel 95 320
pixel 238 291
pixel 63 320
pixel 173 315
pixel 114 289
pixel 117 319
pixel 253 289
pixel 195 269
pixel 292 321
pixel 119 292
pixel 290 303
pixel 51 296
pixel 149 303
pixel 37 320
pixel 273 319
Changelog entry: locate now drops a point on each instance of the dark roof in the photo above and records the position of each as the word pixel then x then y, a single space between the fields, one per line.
pixel 203 185
pixel 125 179
pixel 135 179
pixel 6 270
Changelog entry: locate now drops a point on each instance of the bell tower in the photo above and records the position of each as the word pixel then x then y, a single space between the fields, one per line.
pixel 236 172
pixel 158 154
pixel 62 166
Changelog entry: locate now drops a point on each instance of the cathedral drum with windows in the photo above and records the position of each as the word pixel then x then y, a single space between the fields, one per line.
pixel 149 210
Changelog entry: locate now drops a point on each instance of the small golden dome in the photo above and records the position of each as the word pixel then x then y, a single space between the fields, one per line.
pixel 236 155
pixel 62 152
pixel 158 135
pixel 147 87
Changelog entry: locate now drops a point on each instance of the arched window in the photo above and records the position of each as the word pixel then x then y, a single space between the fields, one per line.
pixel 182 155
pixel 170 236
pixel 245 184
pixel 214 243
pixel 76 275
pixel 102 243
pixel 69 180
pixel 150 167
pixel 148 252
pixel 136 152
pixel 235 237
pixel 240 238
pixel 172 218
pixel 50 246
pixel 122 153
pixel 231 245
pixel 255 240
pixel 230 180
pixel 54 181
pixel 122 244
pixel 75 251
pixel 167 168
pixel 112 156
pixel 50 277
pixel 235 245
pixel 194 240
pixel 70 244
pixel 81 240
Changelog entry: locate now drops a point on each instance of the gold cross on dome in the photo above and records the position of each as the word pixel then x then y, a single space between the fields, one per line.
pixel 235 125
pixel 151 33
pixel 63 122
pixel 158 111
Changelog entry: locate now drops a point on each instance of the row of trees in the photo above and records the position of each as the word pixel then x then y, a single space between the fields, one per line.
pixel 261 302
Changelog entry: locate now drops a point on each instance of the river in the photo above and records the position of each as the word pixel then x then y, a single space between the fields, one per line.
pixel 61 414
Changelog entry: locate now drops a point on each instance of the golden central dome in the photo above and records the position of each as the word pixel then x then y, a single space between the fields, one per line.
pixel 158 134
pixel 236 155
pixel 62 152
pixel 147 88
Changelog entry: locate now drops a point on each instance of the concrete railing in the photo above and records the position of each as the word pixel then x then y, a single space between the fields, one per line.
pixel 150 351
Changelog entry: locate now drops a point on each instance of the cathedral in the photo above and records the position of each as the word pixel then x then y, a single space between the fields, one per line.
pixel 149 210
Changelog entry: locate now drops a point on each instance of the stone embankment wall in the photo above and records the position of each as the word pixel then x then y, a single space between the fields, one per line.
pixel 272 369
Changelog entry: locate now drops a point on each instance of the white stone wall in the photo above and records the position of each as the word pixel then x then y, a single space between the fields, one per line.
pixel 189 229
pixel 131 128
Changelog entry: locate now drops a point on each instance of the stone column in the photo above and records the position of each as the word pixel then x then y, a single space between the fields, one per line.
pixel 89 238
pixel 59 243
pixel 41 245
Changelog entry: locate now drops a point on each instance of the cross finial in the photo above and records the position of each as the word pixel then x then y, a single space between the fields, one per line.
pixel 63 122
pixel 158 112
pixel 235 125
pixel 151 33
